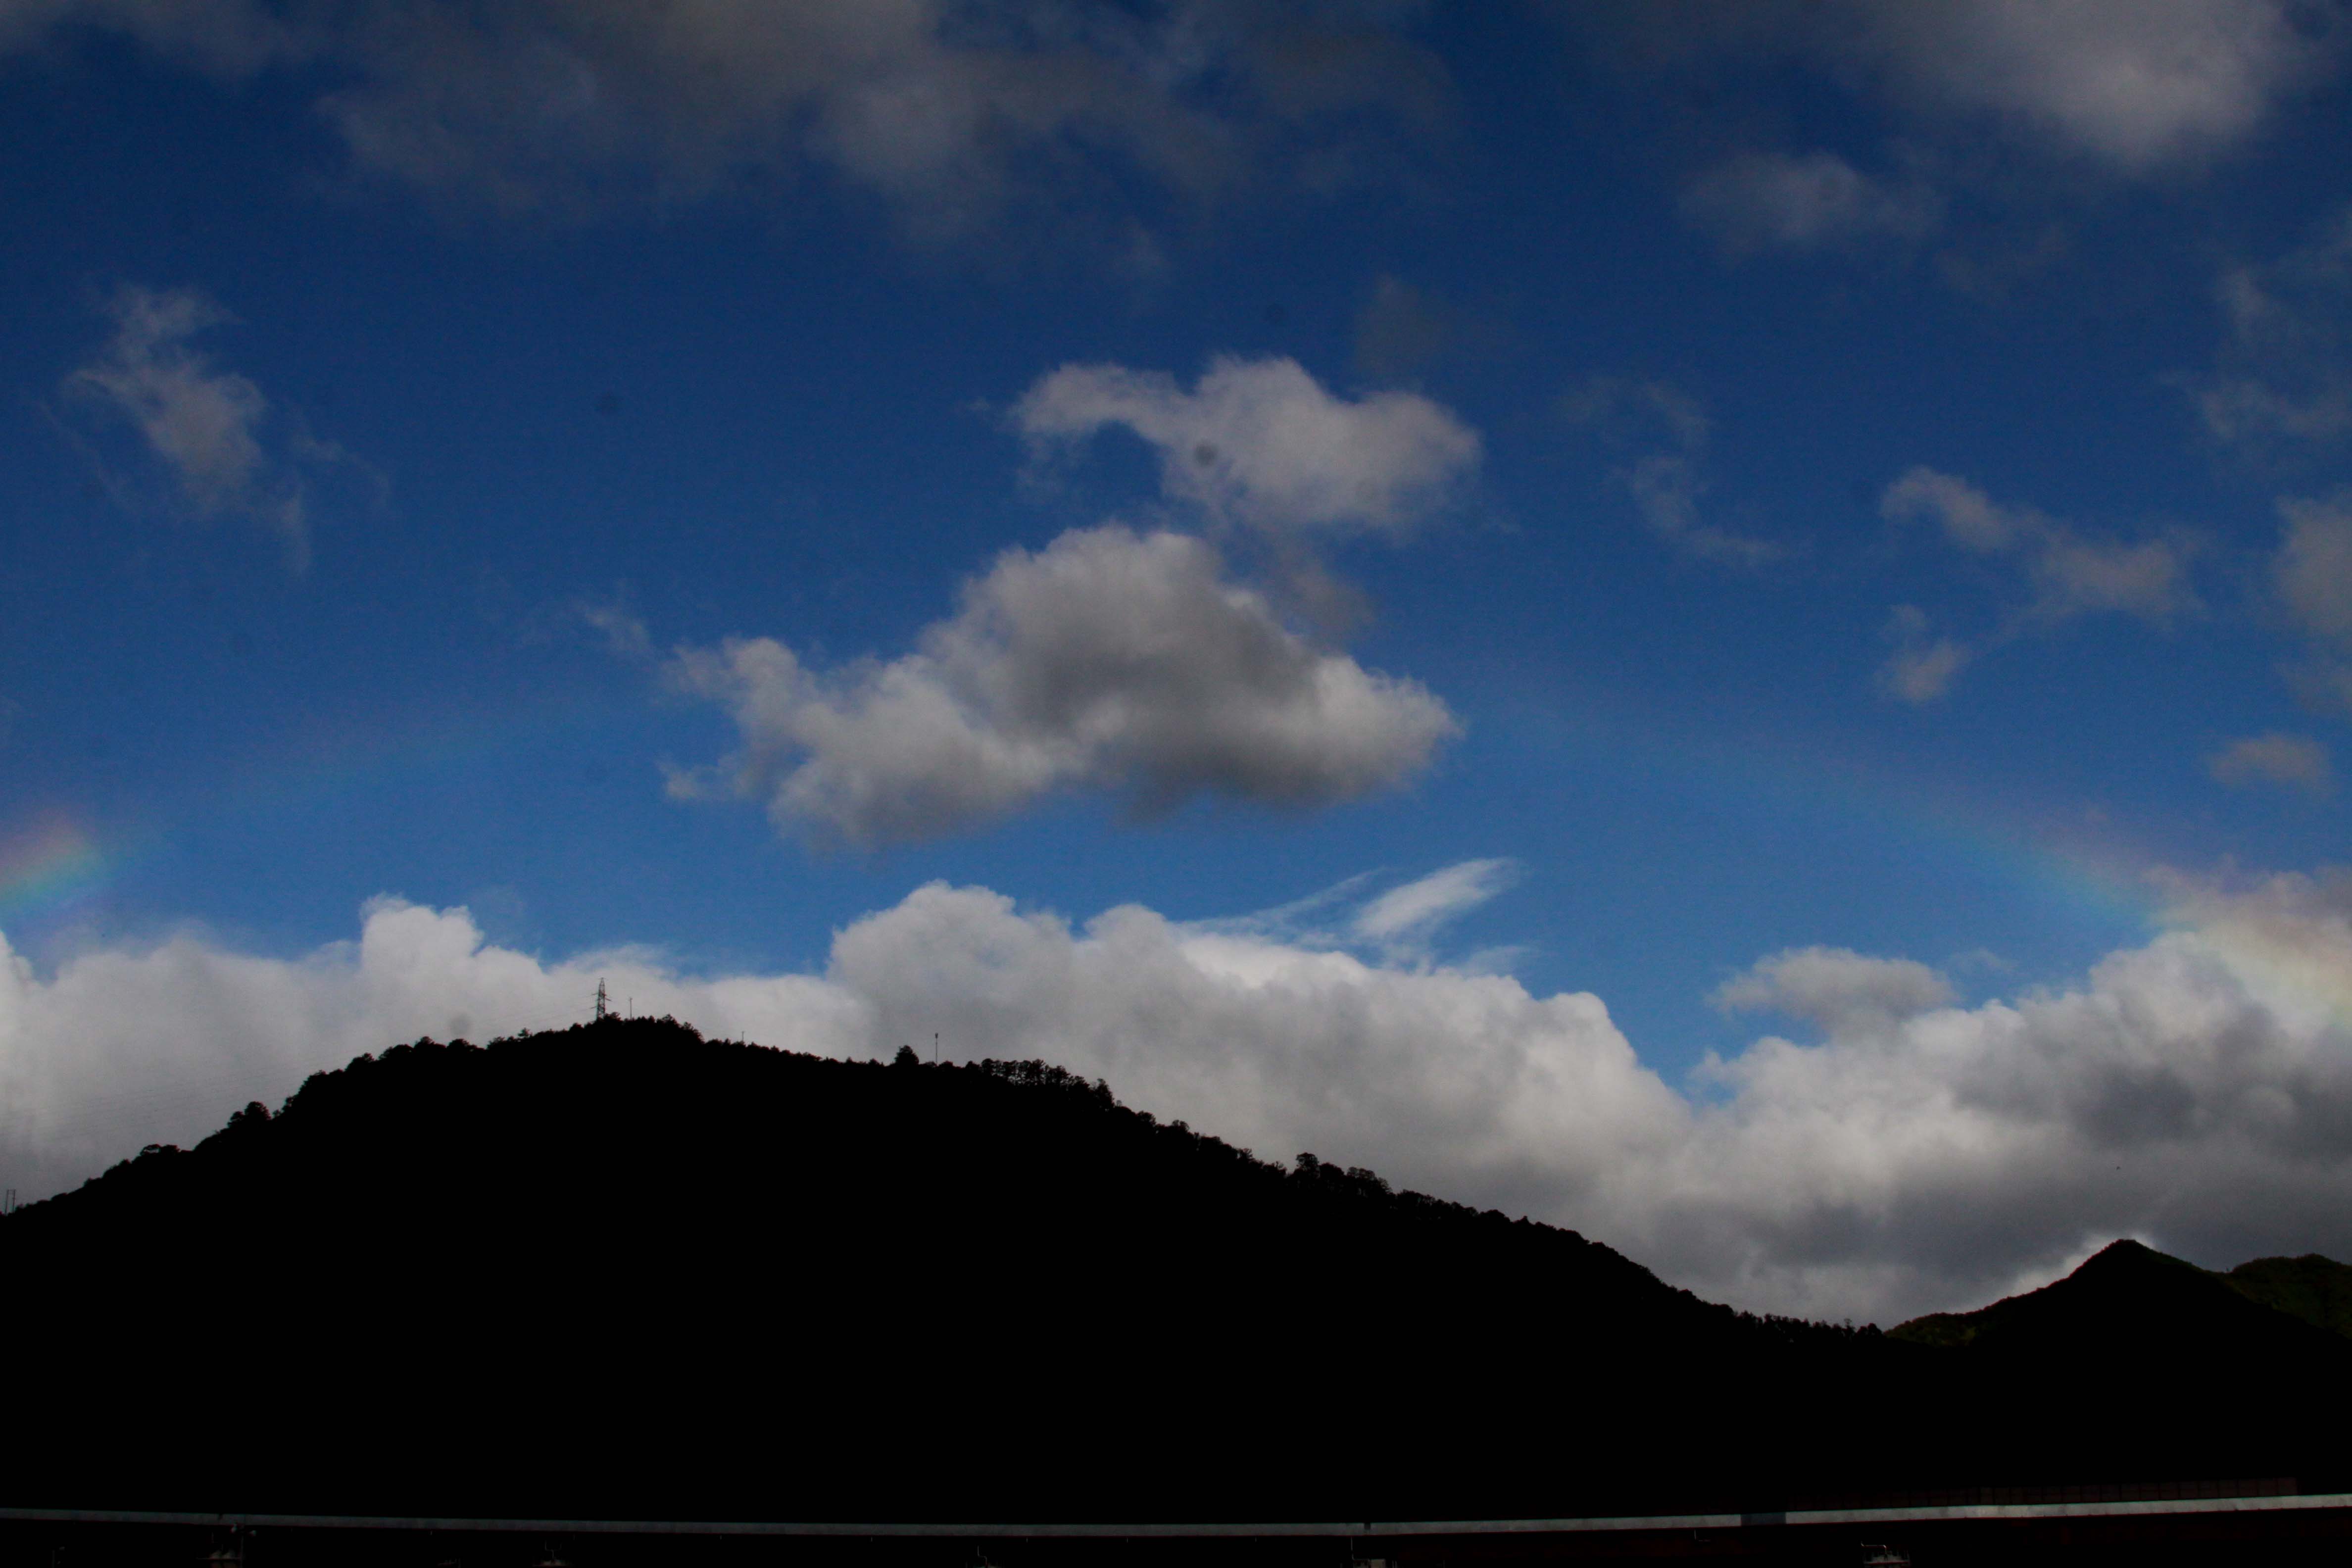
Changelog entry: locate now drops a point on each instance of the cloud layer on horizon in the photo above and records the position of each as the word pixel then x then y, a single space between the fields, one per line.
pixel 1920 1155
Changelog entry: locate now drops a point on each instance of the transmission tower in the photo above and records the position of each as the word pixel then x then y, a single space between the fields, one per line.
pixel 603 1003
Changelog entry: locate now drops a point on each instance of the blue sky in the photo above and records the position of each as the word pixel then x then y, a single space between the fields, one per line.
pixel 1823 528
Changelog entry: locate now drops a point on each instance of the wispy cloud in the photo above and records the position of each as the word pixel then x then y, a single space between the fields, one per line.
pixel 214 437
pixel 1405 918
pixel 2311 573
pixel 1400 925
pixel 2297 762
pixel 1668 431
pixel 2067 573
pixel 1924 665
pixel 1757 201
pixel 2283 372
pixel 2313 568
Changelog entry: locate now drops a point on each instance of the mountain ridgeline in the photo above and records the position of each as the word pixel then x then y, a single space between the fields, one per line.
pixel 624 1272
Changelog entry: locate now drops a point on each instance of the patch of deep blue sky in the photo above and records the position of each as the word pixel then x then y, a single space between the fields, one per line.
pixel 774 417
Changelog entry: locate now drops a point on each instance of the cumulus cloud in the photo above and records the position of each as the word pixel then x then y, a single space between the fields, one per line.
pixel 2195 1091
pixel 2283 372
pixel 1114 659
pixel 1110 659
pixel 1836 989
pixel 1757 201
pixel 950 111
pixel 2070 574
pixel 1667 430
pixel 2297 762
pixel 1260 442
pixel 205 427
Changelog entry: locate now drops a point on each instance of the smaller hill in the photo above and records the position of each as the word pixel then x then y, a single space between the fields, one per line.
pixel 2131 1298
pixel 2316 1289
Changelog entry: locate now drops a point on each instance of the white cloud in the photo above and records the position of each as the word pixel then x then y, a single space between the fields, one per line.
pixel 1260 442
pixel 1779 201
pixel 953 112
pixel 2070 573
pixel 1110 659
pixel 2195 1091
pixel 2295 761
pixel 1836 989
pixel 202 426
pixel 2284 369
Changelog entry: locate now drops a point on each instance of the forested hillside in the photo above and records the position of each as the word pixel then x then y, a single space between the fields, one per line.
pixel 621 1270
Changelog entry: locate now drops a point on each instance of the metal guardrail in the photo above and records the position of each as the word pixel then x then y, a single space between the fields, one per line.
pixel 1350 1528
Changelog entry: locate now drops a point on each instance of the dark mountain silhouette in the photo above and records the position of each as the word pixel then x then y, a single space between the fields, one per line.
pixel 622 1271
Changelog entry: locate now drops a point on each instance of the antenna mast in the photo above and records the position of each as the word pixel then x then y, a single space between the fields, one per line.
pixel 603 1003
